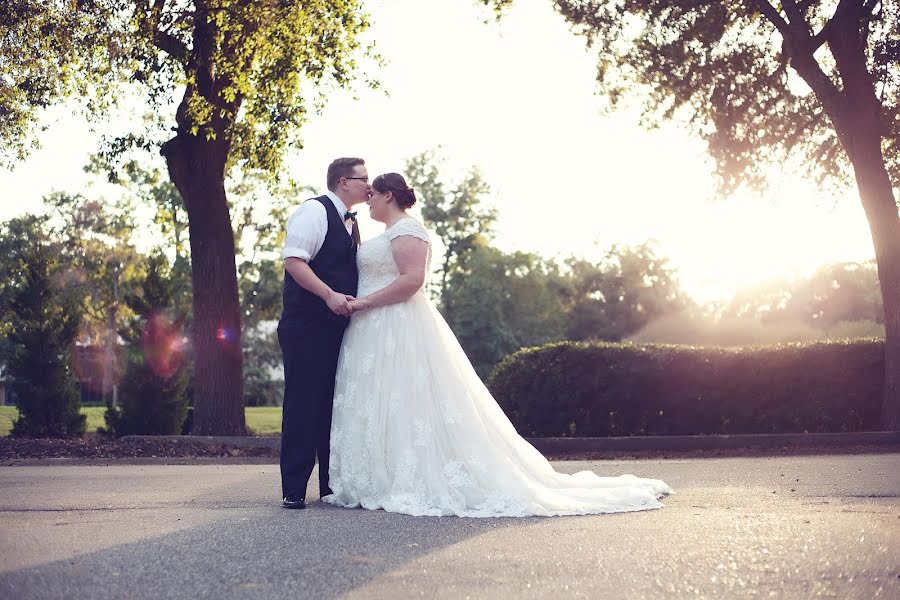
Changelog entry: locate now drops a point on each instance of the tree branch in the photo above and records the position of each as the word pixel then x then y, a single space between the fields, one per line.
pixel 163 40
pixel 869 6
pixel 843 7
pixel 796 14
pixel 819 38
pixel 797 44
pixel 774 16
pixel 171 46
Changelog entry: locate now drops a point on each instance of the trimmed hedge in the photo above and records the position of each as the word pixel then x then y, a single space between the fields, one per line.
pixel 606 389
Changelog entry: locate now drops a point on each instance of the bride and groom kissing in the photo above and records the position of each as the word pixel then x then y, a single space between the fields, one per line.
pixel 378 389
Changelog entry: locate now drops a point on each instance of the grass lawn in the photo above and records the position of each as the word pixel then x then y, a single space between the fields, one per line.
pixel 8 414
pixel 262 420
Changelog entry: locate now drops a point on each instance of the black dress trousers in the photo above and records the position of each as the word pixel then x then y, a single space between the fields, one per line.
pixel 310 349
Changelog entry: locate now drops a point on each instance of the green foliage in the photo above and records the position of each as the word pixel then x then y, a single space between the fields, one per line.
pixel 42 326
pixel 606 389
pixel 703 329
pixel 812 85
pixel 52 50
pixel 495 302
pixel 629 288
pixel 259 236
pixel 247 74
pixel 15 233
pixel 254 66
pixel 503 302
pixel 833 294
pixel 149 403
pixel 152 394
pixel 457 215
pixel 6 346
pixel 836 302
pixel 96 238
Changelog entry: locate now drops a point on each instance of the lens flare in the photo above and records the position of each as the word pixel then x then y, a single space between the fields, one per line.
pixel 164 345
pixel 223 334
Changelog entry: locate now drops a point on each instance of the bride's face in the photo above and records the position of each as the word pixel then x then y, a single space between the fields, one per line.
pixel 379 205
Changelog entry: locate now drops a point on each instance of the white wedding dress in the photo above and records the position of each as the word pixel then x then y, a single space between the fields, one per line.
pixel 415 431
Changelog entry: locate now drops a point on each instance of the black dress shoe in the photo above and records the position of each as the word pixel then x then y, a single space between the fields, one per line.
pixel 293 502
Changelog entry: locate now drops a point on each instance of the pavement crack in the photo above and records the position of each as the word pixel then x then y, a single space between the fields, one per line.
pixel 77 509
pixel 872 496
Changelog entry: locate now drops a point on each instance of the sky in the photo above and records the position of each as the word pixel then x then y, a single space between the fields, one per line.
pixel 518 99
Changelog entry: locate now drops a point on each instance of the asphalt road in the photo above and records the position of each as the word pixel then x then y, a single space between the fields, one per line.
pixel 774 527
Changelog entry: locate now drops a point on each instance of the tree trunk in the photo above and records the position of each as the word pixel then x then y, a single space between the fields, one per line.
pixel 859 126
pixel 878 201
pixel 197 168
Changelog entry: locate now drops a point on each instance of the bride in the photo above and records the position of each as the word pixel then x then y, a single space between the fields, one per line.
pixel 414 430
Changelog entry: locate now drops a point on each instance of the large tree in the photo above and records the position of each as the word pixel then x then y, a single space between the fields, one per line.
pixel 246 72
pixel 258 212
pixel 769 83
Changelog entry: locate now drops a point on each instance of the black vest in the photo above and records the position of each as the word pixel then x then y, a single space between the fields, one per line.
pixel 334 264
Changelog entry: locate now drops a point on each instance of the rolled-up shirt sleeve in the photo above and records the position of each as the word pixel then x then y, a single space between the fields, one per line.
pixel 306 229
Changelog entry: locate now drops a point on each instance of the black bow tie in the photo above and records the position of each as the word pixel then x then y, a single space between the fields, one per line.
pixel 350 215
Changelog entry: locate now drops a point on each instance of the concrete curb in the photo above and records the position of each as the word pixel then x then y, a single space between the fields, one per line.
pixel 248 441
pixel 650 443
pixel 717 442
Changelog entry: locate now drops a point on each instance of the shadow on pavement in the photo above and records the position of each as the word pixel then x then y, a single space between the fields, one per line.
pixel 320 552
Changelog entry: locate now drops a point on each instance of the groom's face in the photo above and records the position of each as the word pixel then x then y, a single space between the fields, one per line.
pixel 355 186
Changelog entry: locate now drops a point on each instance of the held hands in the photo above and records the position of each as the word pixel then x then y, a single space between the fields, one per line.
pixel 339 304
pixel 345 305
pixel 360 304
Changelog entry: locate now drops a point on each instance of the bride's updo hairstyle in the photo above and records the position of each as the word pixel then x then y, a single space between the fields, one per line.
pixel 395 184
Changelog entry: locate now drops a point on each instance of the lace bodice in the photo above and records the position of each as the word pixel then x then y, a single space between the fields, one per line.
pixel 375 260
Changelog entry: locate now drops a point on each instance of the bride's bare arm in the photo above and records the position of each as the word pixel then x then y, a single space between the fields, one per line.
pixel 411 256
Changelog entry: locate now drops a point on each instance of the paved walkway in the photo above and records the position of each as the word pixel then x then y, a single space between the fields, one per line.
pixel 794 527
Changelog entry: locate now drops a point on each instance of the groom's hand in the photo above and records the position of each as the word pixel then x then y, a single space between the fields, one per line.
pixel 339 304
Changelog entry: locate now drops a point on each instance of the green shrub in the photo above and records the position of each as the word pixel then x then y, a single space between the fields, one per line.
pixel 152 396
pixel 43 326
pixel 150 403
pixel 608 389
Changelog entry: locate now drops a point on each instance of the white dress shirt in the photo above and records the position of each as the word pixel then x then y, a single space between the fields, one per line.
pixel 308 226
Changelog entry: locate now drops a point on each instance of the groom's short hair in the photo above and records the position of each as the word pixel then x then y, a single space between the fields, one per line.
pixel 341 167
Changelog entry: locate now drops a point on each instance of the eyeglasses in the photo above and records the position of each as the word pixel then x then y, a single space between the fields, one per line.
pixel 365 179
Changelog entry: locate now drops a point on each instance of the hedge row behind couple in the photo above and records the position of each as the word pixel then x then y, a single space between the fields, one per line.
pixel 379 389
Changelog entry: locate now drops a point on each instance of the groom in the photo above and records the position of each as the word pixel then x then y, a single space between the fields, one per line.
pixel 320 280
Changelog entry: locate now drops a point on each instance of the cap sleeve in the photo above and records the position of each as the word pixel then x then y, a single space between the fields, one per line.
pixel 408 227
